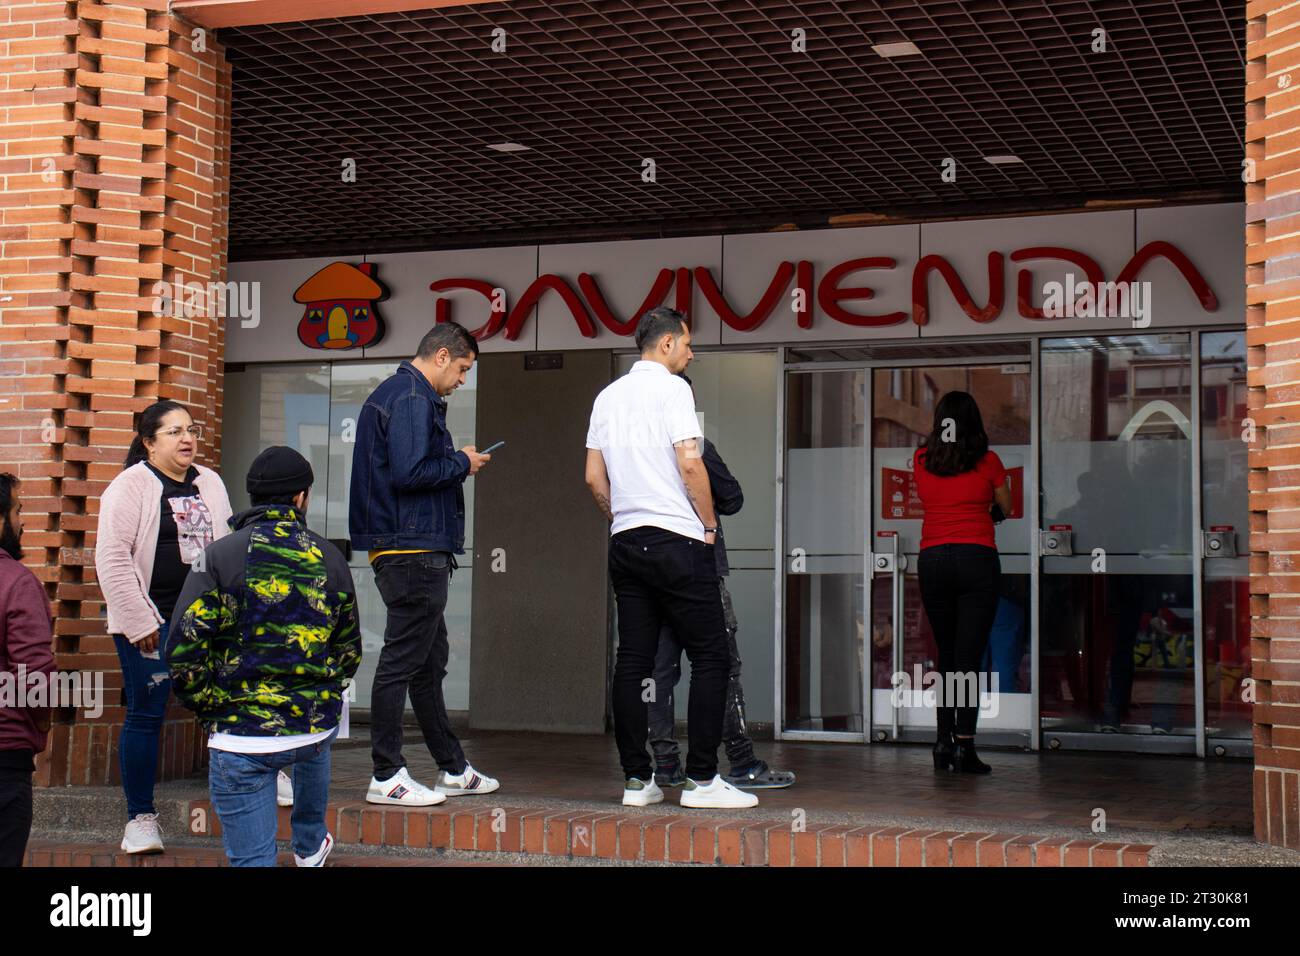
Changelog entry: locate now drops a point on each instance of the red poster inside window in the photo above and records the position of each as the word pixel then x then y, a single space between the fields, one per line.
pixel 900 502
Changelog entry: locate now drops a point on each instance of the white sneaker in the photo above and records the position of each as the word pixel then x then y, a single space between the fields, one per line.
pixel 468 782
pixel 317 858
pixel 143 835
pixel 283 790
pixel 641 793
pixel 401 790
pixel 717 794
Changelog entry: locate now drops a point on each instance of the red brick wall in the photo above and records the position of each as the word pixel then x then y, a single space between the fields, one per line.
pixel 114 138
pixel 1273 337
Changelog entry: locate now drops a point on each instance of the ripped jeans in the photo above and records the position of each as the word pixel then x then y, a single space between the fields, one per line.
pixel 146 685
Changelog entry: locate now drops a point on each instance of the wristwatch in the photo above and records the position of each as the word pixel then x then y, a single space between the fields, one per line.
pixel 714 530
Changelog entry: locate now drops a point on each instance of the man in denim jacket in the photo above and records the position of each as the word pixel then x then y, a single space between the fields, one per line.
pixel 407 509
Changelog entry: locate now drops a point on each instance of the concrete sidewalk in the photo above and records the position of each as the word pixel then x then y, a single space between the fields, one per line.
pixel 1189 812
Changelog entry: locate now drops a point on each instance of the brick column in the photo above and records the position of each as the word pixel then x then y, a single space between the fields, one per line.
pixel 114 149
pixel 1273 338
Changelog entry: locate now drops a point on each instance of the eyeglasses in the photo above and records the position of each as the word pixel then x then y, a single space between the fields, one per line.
pixel 196 432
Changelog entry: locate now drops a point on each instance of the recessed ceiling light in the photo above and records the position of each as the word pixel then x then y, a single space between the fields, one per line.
pixel 999 160
pixel 508 147
pixel 904 48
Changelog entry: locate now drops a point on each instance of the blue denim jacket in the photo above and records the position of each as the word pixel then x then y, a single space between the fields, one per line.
pixel 406 473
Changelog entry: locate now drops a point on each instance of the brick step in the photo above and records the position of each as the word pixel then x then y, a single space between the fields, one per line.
pixel 654 837
pixel 45 853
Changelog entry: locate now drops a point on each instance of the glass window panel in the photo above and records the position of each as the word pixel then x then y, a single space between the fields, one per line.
pixel 825 432
pixel 824 508
pixel 277 405
pixel 1118 467
pixel 350 384
pixel 1223 410
pixel 314 408
pixel 1226 585
pixel 1117 638
pixel 370 606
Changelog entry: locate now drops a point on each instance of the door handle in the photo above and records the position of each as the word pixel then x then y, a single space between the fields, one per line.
pixel 893 562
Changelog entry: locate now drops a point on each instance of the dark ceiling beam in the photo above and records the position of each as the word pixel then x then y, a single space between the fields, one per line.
pixel 243 13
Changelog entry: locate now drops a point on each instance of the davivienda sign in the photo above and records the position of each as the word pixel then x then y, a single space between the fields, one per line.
pixel 798 283
pixel 1113 270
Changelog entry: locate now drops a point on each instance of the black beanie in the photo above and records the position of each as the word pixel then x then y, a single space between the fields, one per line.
pixel 279 470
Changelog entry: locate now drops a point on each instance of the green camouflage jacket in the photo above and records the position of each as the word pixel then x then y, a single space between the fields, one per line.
pixel 265 631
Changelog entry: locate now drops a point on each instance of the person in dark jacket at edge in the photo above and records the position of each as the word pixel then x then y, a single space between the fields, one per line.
pixel 26 636
pixel 747 771
pixel 264 636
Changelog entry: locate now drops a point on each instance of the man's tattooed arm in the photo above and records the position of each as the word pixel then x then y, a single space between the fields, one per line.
pixel 598 482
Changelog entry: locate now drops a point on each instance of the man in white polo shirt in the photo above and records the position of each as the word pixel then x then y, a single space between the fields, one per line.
pixel 645 470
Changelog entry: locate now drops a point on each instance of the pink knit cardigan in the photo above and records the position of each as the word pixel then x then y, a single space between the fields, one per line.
pixel 127 536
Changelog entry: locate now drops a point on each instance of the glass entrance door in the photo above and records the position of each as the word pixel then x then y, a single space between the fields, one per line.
pixel 824 531
pixel 903 653
pixel 1225 573
pixel 1124 615
pixel 1117 605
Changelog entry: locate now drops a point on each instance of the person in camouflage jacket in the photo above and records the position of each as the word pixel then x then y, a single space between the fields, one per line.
pixel 267 632
pixel 264 636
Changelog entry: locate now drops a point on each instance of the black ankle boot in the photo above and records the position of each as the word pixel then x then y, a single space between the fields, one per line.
pixel 966 760
pixel 943 750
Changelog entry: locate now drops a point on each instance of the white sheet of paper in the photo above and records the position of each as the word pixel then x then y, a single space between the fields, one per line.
pixel 343 720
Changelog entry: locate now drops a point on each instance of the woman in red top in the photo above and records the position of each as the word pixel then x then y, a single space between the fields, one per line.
pixel 958 480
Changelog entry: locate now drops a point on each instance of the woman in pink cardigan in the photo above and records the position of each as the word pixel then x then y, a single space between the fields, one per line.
pixel 155 519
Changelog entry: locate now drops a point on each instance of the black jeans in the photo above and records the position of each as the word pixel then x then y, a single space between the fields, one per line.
pixel 668 671
pixel 660 577
pixel 959 588
pixel 15 814
pixel 414 658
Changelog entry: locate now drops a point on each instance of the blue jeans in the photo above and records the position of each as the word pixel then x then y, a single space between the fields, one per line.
pixel 243 795
pixel 147 687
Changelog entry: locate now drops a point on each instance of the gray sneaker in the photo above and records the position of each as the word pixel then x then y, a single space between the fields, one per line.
pixel 468 782
pixel 143 835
